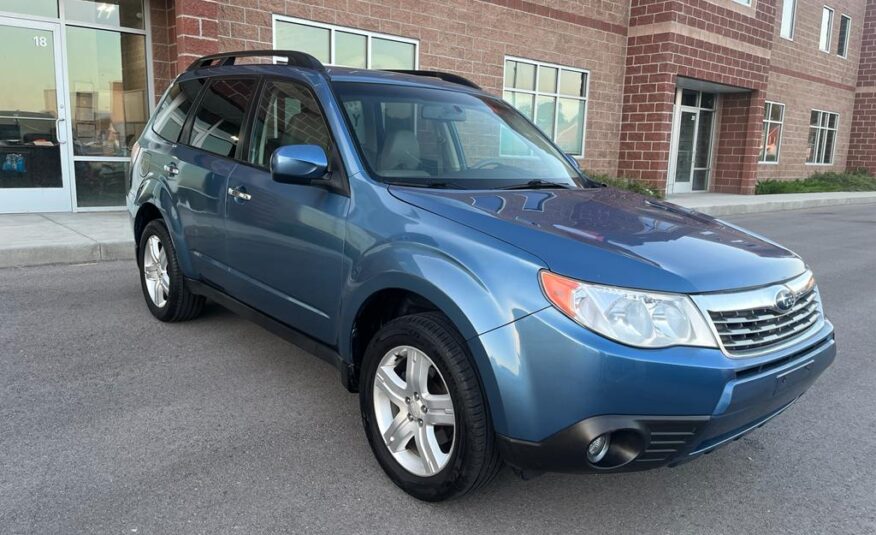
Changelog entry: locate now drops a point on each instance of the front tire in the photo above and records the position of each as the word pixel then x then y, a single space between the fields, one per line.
pixel 423 409
pixel 161 278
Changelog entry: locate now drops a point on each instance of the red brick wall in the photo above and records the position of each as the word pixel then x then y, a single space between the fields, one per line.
pixel 717 41
pixel 735 162
pixel 162 23
pixel 862 150
pixel 634 50
pixel 469 37
pixel 804 78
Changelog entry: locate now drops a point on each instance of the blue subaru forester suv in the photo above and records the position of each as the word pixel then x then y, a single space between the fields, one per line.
pixel 490 303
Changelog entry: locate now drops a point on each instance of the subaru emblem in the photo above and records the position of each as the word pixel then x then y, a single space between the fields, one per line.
pixel 785 300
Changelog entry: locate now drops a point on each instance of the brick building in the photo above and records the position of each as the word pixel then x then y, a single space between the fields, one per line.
pixel 688 95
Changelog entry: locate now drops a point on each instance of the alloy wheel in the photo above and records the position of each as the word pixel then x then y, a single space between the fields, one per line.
pixel 414 411
pixel 155 271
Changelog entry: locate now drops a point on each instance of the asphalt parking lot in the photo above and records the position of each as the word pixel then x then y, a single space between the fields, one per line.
pixel 111 422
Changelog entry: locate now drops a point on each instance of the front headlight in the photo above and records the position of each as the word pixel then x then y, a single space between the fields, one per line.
pixel 632 317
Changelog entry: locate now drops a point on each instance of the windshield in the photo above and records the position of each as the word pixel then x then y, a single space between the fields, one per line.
pixel 439 138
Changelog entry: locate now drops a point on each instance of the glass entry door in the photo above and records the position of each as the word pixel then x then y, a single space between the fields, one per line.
pixel 691 160
pixel 33 133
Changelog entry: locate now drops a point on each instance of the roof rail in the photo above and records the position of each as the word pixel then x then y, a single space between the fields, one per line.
pixel 292 57
pixel 446 76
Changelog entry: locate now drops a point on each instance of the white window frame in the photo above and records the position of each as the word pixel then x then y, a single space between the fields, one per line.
pixel 848 35
pixel 821 130
pixel 792 24
pixel 536 93
pixel 825 39
pixel 333 29
pixel 768 121
pixel 746 3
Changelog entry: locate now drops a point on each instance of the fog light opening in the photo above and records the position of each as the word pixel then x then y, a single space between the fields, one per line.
pixel 615 448
pixel 598 447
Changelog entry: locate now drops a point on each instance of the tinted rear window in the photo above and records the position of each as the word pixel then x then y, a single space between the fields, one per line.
pixel 220 115
pixel 171 115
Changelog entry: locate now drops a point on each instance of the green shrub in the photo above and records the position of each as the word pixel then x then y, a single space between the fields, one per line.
pixel 859 180
pixel 626 184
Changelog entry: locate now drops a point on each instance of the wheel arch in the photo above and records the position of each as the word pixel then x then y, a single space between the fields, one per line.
pixel 396 294
pixel 154 201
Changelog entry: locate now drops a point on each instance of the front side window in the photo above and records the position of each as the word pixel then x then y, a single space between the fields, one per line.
pixel 773 119
pixel 842 47
pixel 431 137
pixel 219 117
pixel 288 114
pixel 789 15
pixel 822 137
pixel 346 47
pixel 552 96
pixel 826 29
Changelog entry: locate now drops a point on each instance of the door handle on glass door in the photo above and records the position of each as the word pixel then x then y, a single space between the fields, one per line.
pixel 239 193
pixel 171 169
pixel 59 129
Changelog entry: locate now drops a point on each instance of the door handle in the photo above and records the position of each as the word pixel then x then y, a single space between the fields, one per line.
pixel 59 129
pixel 171 169
pixel 239 193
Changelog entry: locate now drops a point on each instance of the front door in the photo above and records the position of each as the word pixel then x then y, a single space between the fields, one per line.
pixel 690 167
pixel 33 130
pixel 285 242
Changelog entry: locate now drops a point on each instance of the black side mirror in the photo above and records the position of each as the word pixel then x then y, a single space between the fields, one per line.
pixel 298 164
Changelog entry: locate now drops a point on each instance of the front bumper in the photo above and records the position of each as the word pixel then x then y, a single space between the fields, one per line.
pixel 665 408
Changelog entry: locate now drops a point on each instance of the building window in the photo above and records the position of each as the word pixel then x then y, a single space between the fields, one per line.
pixel 826 29
pixel 553 97
pixel 789 16
pixel 743 2
pixel 347 47
pixel 773 118
pixel 822 137
pixel 842 48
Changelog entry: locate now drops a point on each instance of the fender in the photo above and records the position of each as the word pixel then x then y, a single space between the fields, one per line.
pixel 434 273
pixel 153 190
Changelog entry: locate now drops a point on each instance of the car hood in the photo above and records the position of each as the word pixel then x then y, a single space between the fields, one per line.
pixel 614 237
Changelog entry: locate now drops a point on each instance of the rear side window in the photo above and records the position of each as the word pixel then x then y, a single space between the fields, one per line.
pixel 220 115
pixel 171 115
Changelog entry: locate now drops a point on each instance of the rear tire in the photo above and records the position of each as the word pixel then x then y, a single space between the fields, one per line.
pixel 162 280
pixel 461 455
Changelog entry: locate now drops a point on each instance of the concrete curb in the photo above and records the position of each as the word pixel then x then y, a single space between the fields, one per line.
pixel 77 253
pixel 764 203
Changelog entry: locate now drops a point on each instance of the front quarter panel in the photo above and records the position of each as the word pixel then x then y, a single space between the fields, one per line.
pixel 479 282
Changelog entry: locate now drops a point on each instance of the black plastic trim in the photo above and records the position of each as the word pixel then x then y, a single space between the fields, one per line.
pixel 566 450
pixel 446 76
pixel 290 334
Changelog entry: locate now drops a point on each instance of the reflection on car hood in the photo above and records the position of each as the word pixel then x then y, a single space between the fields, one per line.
pixel 615 237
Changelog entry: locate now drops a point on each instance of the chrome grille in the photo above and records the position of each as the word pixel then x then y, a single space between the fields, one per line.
pixel 750 323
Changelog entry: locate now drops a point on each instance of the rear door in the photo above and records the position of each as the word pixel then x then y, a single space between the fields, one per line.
pixel 285 242
pixel 204 160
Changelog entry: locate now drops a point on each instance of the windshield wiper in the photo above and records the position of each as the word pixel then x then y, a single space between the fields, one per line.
pixel 537 184
pixel 433 185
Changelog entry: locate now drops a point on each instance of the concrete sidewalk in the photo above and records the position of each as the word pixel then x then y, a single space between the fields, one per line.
pixel 722 204
pixel 68 238
pixel 71 238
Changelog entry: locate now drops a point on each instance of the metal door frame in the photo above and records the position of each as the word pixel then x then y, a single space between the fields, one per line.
pixel 36 199
pixel 678 110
